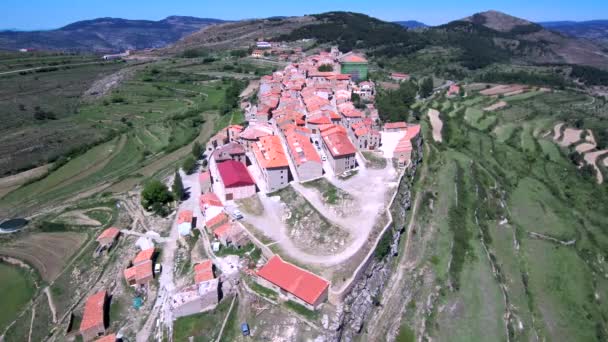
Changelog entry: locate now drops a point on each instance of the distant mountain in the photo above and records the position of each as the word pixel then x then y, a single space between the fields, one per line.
pixel 107 34
pixel 522 39
pixel 594 30
pixel 411 24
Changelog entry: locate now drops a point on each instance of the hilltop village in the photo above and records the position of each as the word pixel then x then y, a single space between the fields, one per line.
pixel 314 119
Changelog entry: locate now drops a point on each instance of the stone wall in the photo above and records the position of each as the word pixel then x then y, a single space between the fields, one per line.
pixel 360 302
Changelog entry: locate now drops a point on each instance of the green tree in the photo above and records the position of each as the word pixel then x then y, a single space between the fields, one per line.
pixel 426 87
pixel 155 195
pixel 326 67
pixel 196 150
pixel 189 165
pixel 178 187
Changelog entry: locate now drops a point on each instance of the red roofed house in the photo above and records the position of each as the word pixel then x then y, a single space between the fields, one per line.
pixel 185 222
pixel 210 205
pixel 231 235
pixel 403 150
pixel 296 284
pixel 141 272
pixel 453 90
pixel 399 77
pixel 304 156
pixel 203 272
pixel 232 180
pixel 215 221
pixel 107 237
pixel 340 151
pixel 230 151
pixel 272 162
pixel 395 126
pixel 366 138
pixel 93 322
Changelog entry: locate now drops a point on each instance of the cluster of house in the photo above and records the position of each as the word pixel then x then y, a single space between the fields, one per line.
pixel 282 51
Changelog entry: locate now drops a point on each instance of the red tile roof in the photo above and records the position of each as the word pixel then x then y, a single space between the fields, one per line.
pixel 222 230
pixel 203 271
pixel 144 255
pixel 319 120
pixel 269 152
pixel 299 282
pixel 395 125
pixel 412 131
pixel 354 59
pixel 93 311
pixel 337 141
pixel 301 148
pixel 139 271
pixel 185 216
pixel 217 219
pixel 399 75
pixel 107 338
pixel 110 233
pixel 234 174
pixel 210 199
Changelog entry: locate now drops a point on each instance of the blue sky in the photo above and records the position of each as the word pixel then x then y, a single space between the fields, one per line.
pixel 45 14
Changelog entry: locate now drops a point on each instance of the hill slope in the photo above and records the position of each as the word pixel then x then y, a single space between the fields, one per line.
pixel 239 34
pixel 106 34
pixel 594 30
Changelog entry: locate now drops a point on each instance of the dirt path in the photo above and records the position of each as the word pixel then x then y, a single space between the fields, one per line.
pixel 437 124
pixel 251 88
pixel 591 159
pixel 219 336
pixel 389 317
pixel 369 187
pixel 79 218
pixel 29 335
pixel 51 304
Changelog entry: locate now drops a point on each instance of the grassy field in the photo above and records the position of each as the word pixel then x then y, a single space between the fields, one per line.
pixel 151 119
pixel 203 326
pixel 16 289
pixel 491 191
pixel 38 107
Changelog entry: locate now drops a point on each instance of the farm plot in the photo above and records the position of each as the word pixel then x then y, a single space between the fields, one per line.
pixel 16 289
pixel 46 252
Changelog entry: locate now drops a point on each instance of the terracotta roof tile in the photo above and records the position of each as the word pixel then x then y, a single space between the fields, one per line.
pixel 93 313
pixel 301 283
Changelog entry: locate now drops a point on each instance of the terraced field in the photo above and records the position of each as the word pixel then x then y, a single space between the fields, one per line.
pixel 517 231
pixel 151 116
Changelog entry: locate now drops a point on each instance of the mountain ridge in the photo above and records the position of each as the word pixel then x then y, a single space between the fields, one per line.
pixel 107 34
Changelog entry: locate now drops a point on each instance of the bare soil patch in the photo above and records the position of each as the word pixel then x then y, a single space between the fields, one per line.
pixel 46 252
pixel 504 89
pixel 571 136
pixel 437 124
pixel 496 106
pixel 584 147
pixel 591 159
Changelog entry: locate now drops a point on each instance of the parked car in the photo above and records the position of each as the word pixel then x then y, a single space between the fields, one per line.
pixel 237 214
pixel 245 329
pixel 323 158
